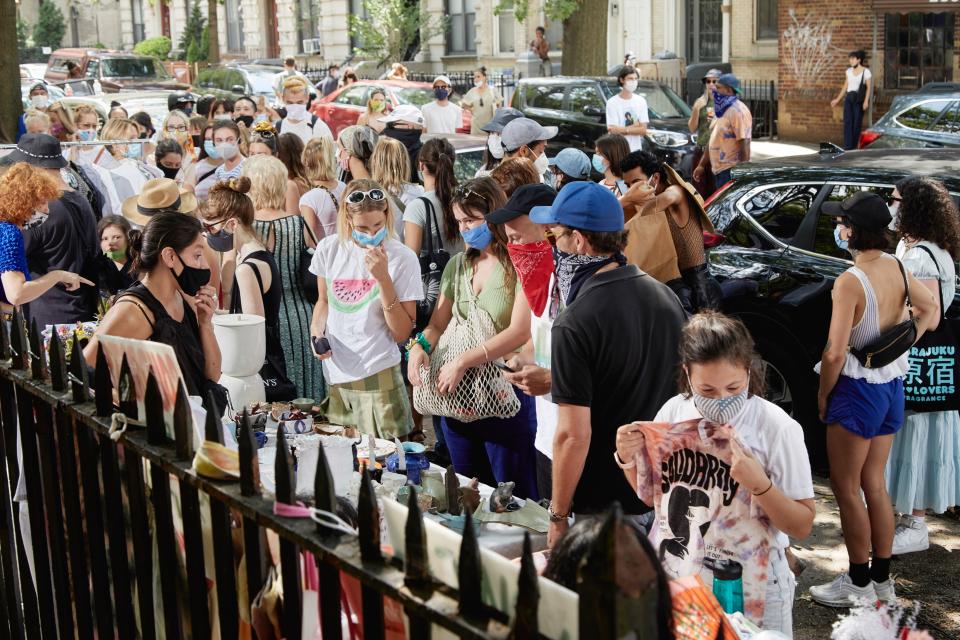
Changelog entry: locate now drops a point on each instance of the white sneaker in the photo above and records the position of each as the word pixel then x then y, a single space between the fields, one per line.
pixel 910 536
pixel 885 592
pixel 842 592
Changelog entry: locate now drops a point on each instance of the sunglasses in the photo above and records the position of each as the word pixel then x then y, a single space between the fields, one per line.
pixel 374 195
pixel 464 192
pixel 211 227
pixel 893 199
pixel 711 82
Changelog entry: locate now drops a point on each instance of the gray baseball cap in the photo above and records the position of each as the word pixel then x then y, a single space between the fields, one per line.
pixel 572 162
pixel 502 116
pixel 524 131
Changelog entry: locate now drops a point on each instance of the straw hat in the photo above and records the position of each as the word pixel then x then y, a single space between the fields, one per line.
pixel 158 195
pixel 695 199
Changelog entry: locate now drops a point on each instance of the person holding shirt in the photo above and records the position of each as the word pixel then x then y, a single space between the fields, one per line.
pixel 627 113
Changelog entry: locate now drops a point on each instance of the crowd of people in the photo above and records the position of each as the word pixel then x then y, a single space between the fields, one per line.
pixel 546 321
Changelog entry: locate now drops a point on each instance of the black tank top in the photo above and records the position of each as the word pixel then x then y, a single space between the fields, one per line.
pixel 271 304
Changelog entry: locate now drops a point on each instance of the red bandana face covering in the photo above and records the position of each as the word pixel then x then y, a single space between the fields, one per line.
pixel 534 264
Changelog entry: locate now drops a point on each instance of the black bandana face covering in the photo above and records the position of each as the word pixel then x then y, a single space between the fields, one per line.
pixel 573 269
pixel 191 279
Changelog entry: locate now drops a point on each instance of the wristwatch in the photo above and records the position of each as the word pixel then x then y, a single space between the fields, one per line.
pixel 557 517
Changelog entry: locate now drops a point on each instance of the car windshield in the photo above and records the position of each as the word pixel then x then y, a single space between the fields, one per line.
pixel 133 67
pixel 661 100
pixel 262 81
pixel 416 96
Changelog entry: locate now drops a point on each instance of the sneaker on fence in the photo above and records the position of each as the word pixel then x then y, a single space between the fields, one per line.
pixel 910 536
pixel 885 592
pixel 842 592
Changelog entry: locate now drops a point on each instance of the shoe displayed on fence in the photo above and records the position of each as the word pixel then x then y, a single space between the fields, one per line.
pixel 885 592
pixel 910 536
pixel 842 592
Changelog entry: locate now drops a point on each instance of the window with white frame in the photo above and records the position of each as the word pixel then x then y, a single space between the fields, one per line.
pixel 506 35
pixel 462 33
pixel 767 14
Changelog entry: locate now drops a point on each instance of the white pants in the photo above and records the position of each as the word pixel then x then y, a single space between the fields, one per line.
pixel 781 587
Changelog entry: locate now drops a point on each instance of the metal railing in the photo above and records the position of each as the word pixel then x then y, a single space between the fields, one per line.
pixel 462 82
pixel 137 142
pixel 96 519
pixel 759 95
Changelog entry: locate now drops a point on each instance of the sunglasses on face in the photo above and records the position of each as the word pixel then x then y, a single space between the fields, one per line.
pixel 893 199
pixel 374 195
pixel 711 82
pixel 211 227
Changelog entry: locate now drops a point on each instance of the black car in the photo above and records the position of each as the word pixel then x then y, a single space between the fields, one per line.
pixel 232 80
pixel 928 118
pixel 778 260
pixel 577 106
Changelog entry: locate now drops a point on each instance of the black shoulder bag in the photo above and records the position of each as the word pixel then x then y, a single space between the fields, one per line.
pixel 432 262
pixel 308 281
pixel 892 343
pixel 930 384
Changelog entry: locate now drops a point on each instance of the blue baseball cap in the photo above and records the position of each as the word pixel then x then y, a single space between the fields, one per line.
pixel 572 162
pixel 730 80
pixel 586 206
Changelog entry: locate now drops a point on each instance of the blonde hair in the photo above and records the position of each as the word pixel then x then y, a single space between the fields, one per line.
pixel 119 129
pixel 35 117
pixel 390 165
pixel 294 83
pixel 176 113
pixel 319 160
pixel 268 181
pixel 346 210
pixel 63 112
pixel 81 110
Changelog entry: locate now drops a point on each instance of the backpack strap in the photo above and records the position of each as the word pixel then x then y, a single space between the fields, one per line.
pixel 943 312
pixel 906 287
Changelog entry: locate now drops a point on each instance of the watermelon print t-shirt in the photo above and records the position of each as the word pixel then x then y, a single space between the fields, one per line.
pixel 703 518
pixel 360 340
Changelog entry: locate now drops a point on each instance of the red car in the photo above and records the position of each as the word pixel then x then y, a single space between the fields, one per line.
pixel 343 107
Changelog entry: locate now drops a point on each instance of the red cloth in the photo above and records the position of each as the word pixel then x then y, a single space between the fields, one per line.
pixel 534 265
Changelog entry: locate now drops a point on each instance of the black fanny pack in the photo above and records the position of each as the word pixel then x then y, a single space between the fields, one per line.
pixel 892 343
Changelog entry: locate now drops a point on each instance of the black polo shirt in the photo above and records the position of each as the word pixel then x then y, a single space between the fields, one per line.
pixel 615 350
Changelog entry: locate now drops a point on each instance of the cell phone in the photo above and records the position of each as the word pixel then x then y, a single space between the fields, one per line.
pixel 320 345
pixel 503 367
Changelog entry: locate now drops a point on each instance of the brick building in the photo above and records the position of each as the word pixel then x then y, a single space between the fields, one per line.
pixel 908 43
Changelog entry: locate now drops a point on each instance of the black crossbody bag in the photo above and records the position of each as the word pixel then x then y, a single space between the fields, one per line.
pixel 895 341
pixel 432 262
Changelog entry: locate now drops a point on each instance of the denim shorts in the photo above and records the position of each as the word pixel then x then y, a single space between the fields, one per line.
pixel 867 409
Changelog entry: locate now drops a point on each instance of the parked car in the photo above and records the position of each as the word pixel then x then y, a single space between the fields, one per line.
pixel 927 118
pixel 236 79
pixel 469 149
pixel 154 103
pixel 776 258
pixel 577 106
pixel 115 70
pixel 343 107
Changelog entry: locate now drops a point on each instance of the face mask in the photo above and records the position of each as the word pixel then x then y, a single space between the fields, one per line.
pixel 225 117
pixel 228 151
pixel 40 101
pixel 187 110
pixel 720 410
pixel 56 129
pixel 541 164
pixel 117 256
pixel 87 135
pixel 630 85
pixel 478 83
pixel 479 237
pixel 598 164
pixel 221 241
pixel 495 146
pixel 440 93
pixel 573 269
pixel 260 117
pixel 722 102
pixel 247 121
pixel 132 152
pixel 296 112
pixel 211 150
pixel 168 172
pixel 894 211
pixel 367 240
pixel 533 262
pixel 841 243
pixel 376 106
pixel 191 279
pixel 196 140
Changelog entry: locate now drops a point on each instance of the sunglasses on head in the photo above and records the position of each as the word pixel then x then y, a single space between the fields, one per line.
pixel 463 192
pixel 374 195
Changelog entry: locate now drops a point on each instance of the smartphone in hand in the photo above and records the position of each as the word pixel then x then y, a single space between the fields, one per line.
pixel 320 345
pixel 503 367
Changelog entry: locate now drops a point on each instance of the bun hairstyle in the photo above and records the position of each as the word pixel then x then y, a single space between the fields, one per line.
pixel 23 189
pixel 482 71
pixel 165 229
pixel 710 336
pixel 229 199
pixel 437 156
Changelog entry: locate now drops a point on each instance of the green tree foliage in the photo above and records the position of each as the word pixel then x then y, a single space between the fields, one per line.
pixel 23 33
pixel 50 27
pixel 584 24
pixel 391 28
pixel 191 42
pixel 158 47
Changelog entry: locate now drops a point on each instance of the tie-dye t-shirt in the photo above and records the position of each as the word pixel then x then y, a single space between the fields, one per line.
pixel 726 135
pixel 703 516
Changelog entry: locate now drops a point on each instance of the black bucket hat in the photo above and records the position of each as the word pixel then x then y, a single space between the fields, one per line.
pixel 40 150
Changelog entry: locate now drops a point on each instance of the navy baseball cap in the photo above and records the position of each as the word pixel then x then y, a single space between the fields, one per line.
pixel 586 206
pixel 501 117
pixel 572 162
pixel 730 80
pixel 525 198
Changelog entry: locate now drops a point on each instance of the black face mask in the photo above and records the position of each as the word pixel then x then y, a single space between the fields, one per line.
pixel 191 279
pixel 221 241
pixel 168 172
pixel 246 120
pixel 408 137
pixel 197 142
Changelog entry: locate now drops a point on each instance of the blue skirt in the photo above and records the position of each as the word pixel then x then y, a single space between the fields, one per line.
pixel 923 470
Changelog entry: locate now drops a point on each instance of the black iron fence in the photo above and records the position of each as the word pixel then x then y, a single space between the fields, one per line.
pixel 462 81
pixel 100 508
pixel 759 95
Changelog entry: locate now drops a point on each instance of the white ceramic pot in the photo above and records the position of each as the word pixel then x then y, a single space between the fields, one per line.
pixel 243 343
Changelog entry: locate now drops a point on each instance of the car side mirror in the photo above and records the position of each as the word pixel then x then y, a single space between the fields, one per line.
pixel 593 111
pixel 238 88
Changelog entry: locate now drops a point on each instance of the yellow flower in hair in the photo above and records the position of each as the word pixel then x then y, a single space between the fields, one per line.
pixel 264 126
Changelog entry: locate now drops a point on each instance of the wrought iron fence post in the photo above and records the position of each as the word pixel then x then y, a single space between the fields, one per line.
pixel 58 364
pixel 289 554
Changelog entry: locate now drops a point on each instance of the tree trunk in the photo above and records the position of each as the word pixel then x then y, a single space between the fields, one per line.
pixel 10 104
pixel 213 55
pixel 585 40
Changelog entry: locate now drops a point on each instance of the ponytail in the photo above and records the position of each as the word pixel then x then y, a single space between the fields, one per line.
pixel 438 156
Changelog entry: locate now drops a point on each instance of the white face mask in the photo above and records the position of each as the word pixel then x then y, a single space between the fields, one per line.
pixel 478 83
pixel 228 151
pixel 495 146
pixel 630 85
pixel 296 111
pixel 541 164
pixel 39 101
pixel 894 212
pixel 720 410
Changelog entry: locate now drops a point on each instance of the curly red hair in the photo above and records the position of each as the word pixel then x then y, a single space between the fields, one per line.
pixel 23 189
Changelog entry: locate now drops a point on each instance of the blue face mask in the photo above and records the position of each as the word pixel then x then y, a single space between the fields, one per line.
pixel 841 243
pixel 366 240
pixel 440 93
pixel 87 135
pixel 598 164
pixel 211 149
pixel 132 152
pixel 479 237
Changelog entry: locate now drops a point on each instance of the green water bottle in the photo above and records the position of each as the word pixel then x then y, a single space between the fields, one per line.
pixel 728 585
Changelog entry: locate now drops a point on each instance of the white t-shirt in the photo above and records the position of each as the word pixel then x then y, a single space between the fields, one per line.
pixel 360 339
pixel 547 411
pixel 770 434
pixel 445 119
pixel 304 130
pixel 919 263
pixel 324 206
pixel 853 81
pixel 416 212
pixel 626 113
